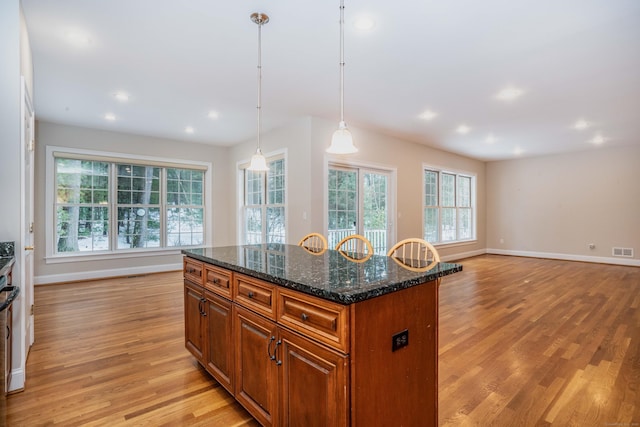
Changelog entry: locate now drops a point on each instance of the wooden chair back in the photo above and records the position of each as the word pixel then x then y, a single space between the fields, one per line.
pixel 415 253
pixel 355 244
pixel 314 243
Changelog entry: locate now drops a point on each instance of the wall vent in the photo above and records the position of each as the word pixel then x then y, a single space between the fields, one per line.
pixel 625 252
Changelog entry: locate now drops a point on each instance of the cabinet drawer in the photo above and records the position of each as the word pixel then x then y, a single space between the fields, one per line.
pixel 323 320
pixel 217 280
pixel 254 294
pixel 193 270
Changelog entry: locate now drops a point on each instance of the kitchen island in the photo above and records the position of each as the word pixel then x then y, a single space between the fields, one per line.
pixel 303 338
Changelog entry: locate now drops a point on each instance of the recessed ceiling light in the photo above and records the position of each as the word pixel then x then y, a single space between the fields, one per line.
pixel 598 139
pixel 212 114
pixel 581 125
pixel 490 139
pixel 189 129
pixel 110 117
pixel 509 93
pixel 121 96
pixel 463 129
pixel 428 115
pixel 364 23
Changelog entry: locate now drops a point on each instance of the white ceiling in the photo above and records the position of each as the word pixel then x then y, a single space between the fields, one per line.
pixel 574 59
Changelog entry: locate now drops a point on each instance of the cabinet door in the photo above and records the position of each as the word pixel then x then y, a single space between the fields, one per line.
pixel 193 320
pixel 218 343
pixel 256 376
pixel 313 383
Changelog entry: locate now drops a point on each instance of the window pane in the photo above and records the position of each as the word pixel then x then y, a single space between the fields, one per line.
pixel 138 184
pixel 448 224
pixel 375 211
pixel 275 182
pixel 464 226
pixel 342 193
pixel 253 187
pixel 138 227
pixel 185 226
pixel 253 226
pixel 431 188
pixel 464 191
pixel 275 225
pixel 431 225
pixel 448 190
pixel 82 212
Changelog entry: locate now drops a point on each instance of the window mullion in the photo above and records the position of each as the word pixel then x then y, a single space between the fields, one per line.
pixel 113 201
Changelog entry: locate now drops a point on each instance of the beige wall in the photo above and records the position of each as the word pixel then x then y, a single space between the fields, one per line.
pixel 50 134
pixel 557 205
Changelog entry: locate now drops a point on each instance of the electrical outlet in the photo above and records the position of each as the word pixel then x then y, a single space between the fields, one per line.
pixel 592 246
pixel 399 340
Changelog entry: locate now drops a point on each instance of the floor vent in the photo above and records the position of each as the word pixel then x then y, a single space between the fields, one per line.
pixel 625 252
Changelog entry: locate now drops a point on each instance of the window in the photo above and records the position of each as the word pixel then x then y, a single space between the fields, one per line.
pixel 105 205
pixel 358 203
pixel 449 214
pixel 264 204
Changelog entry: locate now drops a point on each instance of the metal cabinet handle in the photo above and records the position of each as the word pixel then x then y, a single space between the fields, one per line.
pixel 304 317
pixel 271 357
pixel 251 294
pixel 278 362
pixel 8 332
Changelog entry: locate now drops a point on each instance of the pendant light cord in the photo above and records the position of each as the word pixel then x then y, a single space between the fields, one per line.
pixel 341 61
pixel 259 107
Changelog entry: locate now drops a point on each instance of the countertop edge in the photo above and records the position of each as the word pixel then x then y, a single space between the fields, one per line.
pixel 340 298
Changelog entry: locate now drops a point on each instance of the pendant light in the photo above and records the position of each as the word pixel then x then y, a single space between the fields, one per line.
pixel 342 141
pixel 258 162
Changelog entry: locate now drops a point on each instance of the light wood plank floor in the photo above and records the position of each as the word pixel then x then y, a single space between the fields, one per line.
pixel 523 342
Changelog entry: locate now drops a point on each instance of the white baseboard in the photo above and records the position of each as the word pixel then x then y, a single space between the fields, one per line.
pixel 462 255
pixel 568 257
pixel 17 380
pixel 102 274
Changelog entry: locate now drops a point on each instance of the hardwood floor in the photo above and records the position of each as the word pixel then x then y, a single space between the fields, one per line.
pixel 523 342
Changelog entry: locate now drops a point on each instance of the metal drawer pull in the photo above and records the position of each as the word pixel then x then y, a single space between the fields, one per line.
pixel 251 294
pixel 271 357
pixel 304 317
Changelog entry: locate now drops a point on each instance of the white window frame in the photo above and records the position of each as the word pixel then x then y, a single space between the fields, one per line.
pixel 240 186
pixel 474 211
pixel 52 257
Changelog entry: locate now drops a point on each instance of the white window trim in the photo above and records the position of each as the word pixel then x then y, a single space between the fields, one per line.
pixel 474 205
pixel 240 167
pixel 333 160
pixel 51 257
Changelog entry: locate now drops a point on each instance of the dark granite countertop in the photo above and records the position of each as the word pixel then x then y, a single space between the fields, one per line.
pixel 5 264
pixel 329 275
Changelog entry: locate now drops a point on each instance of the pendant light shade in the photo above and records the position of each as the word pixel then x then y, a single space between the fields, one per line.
pixel 258 162
pixel 342 141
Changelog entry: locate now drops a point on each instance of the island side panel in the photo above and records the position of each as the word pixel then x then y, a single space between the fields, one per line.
pixel 398 387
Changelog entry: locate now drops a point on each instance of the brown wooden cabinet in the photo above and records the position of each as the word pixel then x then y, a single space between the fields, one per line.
pixel 293 359
pixel 194 320
pixel 218 342
pixel 256 367
pixel 313 383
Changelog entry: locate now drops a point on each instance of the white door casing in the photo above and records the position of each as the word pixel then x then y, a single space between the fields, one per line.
pixel 24 333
